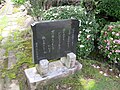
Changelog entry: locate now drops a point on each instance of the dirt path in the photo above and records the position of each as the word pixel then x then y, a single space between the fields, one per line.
pixel 12 26
pixel 6 12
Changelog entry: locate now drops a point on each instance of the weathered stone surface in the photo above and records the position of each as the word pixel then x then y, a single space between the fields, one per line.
pixel 71 58
pixel 54 39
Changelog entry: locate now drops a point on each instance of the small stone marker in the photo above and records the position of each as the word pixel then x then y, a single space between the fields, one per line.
pixel 71 58
pixel 43 67
pixel 69 61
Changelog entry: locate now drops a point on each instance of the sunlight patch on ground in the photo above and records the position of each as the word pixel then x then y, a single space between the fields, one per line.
pixel 3 22
pixel 87 84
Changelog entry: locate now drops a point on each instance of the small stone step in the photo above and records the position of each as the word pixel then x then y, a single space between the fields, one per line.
pixel 11 59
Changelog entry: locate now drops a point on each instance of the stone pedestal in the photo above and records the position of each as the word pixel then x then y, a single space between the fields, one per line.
pixel 47 72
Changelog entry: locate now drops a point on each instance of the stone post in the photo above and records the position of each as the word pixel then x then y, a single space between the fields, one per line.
pixel 43 67
pixel 69 61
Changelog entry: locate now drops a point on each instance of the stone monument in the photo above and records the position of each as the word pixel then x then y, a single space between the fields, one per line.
pixel 53 41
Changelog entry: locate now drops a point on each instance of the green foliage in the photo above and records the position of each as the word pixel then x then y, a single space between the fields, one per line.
pixel 35 8
pixel 91 79
pixel 21 44
pixel 88 84
pixel 1 38
pixel 17 69
pixel 63 12
pixel 89 5
pixel 19 1
pixel 15 10
pixel 88 26
pixel 109 42
pixel 2 1
pixel 110 8
pixel 3 23
pixel 102 22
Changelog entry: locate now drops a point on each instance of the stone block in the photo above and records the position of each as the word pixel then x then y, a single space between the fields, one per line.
pixel 69 61
pixel 43 67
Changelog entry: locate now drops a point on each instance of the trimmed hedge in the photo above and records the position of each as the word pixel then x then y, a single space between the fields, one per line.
pixel 88 26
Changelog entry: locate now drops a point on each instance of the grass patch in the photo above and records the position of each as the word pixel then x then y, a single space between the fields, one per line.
pixel 107 84
pixel 22 47
pixel 91 79
pixel 87 83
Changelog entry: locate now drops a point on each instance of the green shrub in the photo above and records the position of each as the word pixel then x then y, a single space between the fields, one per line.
pixel 90 5
pixel 109 42
pixel 110 8
pixel 19 1
pixel 2 1
pixel 35 8
pixel 87 29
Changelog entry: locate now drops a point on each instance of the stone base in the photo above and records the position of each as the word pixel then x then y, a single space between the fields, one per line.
pixel 56 71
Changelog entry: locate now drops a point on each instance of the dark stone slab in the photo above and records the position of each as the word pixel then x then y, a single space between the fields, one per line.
pixel 54 39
